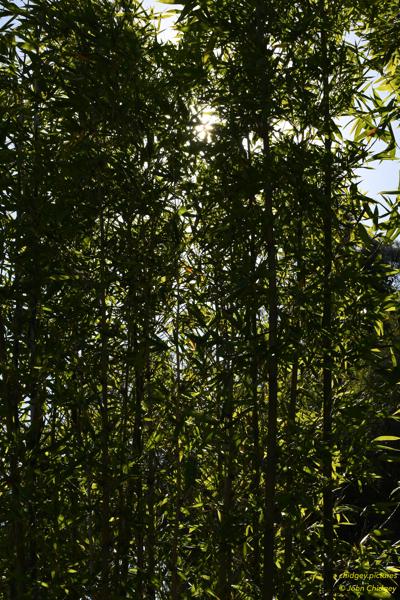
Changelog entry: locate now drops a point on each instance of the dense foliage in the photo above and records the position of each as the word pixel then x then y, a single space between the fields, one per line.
pixel 199 321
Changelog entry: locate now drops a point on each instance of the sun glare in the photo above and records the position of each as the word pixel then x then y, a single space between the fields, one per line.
pixel 207 121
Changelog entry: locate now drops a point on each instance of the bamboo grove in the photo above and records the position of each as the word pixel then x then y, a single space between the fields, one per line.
pixel 199 321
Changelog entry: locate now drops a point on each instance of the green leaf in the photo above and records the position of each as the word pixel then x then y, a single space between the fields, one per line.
pixel 362 231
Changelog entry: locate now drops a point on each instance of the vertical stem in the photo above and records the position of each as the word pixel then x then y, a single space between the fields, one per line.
pixel 12 386
pixel 121 572
pixel 141 368
pixel 151 533
pixel 272 375
pixel 293 395
pixel 106 533
pixel 225 571
pixel 175 584
pixel 288 541
pixel 271 462
pixel 255 425
pixel 327 321
pixel 9 392
pixel 256 449
pixel 34 274
pixel 138 449
pixel 225 576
